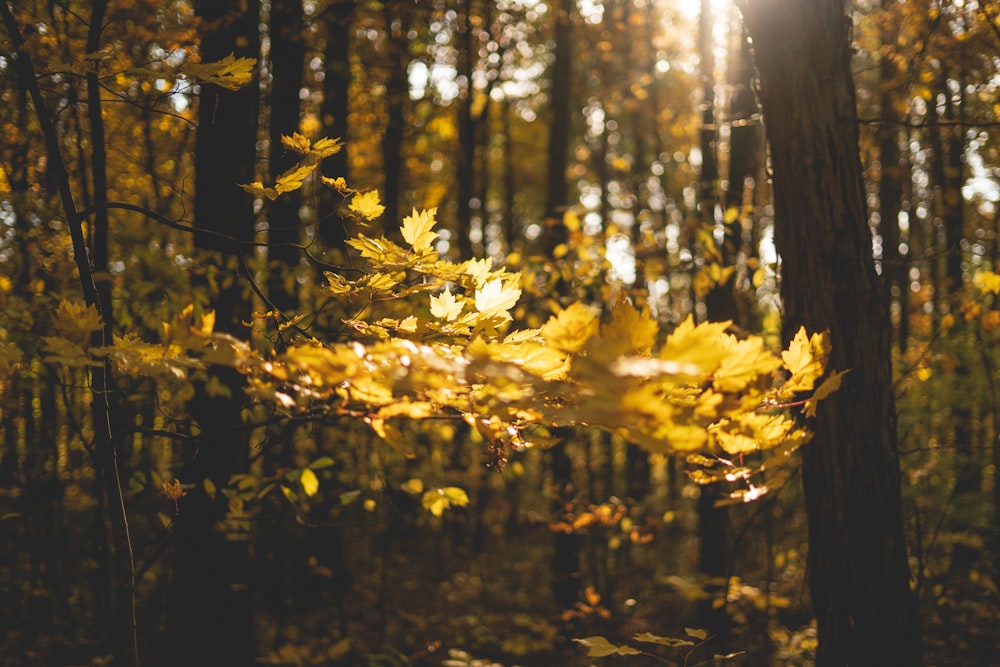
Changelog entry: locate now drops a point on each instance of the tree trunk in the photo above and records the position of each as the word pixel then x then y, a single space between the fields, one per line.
pixel 288 51
pixel 858 572
pixel 338 18
pixel 208 607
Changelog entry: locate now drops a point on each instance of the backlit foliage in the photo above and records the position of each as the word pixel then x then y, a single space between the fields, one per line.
pixel 456 355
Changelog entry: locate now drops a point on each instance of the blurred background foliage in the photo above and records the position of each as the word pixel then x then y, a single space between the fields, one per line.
pixel 597 146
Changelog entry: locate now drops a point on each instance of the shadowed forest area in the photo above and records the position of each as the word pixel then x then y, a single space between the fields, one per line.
pixel 407 333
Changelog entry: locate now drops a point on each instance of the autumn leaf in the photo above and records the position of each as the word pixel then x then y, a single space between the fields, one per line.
pixel 629 331
pixel 830 385
pixel 309 482
pixel 367 205
pixel 436 501
pixel 230 72
pixel 599 647
pixel 258 189
pixel 805 359
pixel 297 143
pixel 324 148
pixel 495 298
pixel 988 282
pixel 338 184
pixel 570 330
pixel 76 321
pixel 479 270
pixel 416 229
pixel 446 306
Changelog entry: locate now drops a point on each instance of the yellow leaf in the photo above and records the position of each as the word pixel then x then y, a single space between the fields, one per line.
pixel 478 269
pixel 629 331
pixel 696 348
pixel 747 361
pixel 338 184
pixel 324 148
pixel 436 501
pixel 297 143
pixel 257 189
pixel 805 359
pixel 230 72
pixel 496 298
pixel 570 330
pixel 446 306
pixel 309 481
pixel 830 385
pixel 416 229
pixel 76 321
pixel 988 282
pixel 292 178
pixel 367 204
pixel 414 486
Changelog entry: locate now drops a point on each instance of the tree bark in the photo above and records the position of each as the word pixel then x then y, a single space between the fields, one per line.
pixel 858 572
pixel 288 52
pixel 208 607
pixel 338 19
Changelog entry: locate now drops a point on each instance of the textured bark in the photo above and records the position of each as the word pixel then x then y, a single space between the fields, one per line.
pixel 858 572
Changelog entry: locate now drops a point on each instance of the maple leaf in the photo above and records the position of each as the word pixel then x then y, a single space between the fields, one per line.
pixel 478 269
pixel 446 306
pixel 76 321
pixel 324 148
pixel 436 501
pixel 830 385
pixel 629 331
pixel 416 229
pixel 987 282
pixel 292 179
pixel 297 143
pixel 570 330
pixel 230 72
pixel 367 204
pixel 495 298
pixel 805 359
pixel 258 189
pixel 338 184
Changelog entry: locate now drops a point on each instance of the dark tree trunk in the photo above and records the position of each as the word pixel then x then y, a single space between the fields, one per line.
pixel 858 572
pixel 288 52
pixel 720 304
pixel 338 20
pixel 208 607
pixel 557 192
pixel 397 21
pixel 465 174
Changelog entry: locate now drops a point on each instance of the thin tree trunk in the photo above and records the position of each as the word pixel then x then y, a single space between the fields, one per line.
pixel 858 572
